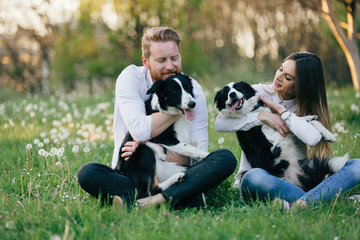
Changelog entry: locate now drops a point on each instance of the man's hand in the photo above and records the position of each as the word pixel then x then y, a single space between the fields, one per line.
pixel 128 149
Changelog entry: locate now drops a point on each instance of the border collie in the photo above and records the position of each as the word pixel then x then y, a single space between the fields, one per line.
pixel 283 157
pixel 147 167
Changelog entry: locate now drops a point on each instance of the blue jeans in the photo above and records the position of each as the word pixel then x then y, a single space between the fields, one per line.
pixel 258 183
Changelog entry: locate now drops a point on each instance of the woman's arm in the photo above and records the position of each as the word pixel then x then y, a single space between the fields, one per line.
pixel 306 132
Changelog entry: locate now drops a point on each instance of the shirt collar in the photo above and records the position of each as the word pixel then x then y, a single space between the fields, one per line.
pixel 286 103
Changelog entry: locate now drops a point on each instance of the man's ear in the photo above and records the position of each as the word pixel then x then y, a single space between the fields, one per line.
pixel 145 62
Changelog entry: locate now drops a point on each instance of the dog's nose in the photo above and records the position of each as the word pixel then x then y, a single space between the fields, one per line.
pixel 232 95
pixel 191 104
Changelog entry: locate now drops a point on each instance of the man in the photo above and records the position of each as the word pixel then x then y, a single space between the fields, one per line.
pixel 161 58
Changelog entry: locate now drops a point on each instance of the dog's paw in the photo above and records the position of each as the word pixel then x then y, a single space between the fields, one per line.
pixel 201 156
pixel 180 177
pixel 309 118
pixel 329 137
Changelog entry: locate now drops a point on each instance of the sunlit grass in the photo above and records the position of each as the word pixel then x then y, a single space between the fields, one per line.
pixel 45 140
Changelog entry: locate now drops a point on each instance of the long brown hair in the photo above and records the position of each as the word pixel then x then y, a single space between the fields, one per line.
pixel 311 96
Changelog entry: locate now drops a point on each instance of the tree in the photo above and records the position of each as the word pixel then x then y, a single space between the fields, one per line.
pixel 348 41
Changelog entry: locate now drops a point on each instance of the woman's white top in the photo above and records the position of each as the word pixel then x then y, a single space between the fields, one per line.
pixel 307 133
pixel 130 115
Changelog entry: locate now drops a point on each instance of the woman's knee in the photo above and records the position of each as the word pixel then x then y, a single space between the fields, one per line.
pixel 354 165
pixel 253 178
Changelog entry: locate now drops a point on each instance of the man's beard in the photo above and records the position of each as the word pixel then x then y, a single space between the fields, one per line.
pixel 156 76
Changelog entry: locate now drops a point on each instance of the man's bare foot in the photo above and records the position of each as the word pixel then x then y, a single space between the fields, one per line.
pixel 151 200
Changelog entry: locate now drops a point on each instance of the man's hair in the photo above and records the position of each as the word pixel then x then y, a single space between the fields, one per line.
pixel 158 34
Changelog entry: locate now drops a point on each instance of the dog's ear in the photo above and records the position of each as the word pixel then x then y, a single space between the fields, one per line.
pixel 249 90
pixel 219 99
pixel 186 82
pixel 158 84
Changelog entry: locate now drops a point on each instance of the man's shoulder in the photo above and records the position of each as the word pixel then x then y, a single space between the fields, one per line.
pixel 133 72
pixel 133 69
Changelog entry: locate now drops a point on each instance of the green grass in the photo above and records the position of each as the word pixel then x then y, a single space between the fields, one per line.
pixel 41 199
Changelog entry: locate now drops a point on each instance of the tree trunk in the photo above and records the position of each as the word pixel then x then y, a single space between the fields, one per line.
pixel 347 43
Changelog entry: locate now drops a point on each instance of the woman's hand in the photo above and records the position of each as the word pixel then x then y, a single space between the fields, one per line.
pixel 275 107
pixel 128 149
pixel 273 119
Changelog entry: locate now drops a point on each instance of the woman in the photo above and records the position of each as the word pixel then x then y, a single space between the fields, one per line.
pixel 298 89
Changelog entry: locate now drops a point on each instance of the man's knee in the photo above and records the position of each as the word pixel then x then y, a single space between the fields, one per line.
pixel 226 159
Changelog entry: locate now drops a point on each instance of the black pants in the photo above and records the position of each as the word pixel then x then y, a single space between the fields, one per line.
pixel 98 179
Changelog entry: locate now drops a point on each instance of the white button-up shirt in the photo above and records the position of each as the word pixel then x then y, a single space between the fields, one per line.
pixel 130 115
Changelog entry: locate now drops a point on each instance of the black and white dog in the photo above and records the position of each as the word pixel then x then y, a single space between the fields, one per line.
pixel 284 157
pixel 147 167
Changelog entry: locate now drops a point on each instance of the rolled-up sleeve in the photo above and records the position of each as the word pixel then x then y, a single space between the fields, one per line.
pixel 302 129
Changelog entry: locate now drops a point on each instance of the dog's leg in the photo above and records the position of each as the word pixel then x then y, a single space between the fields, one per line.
pixel 172 180
pixel 186 149
pixel 328 136
pixel 159 154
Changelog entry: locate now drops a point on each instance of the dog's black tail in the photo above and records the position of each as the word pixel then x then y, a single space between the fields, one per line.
pixel 314 171
pixel 121 162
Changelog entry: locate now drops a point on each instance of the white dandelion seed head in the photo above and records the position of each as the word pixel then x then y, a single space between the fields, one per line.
pixel 53 150
pixel 36 141
pixel 46 141
pixel 42 134
pixel 354 108
pixel 41 152
pixel 40 144
pixel 75 149
pixel 45 154
pixel 62 150
pixel 28 146
pixel 53 131
pixel 86 149
pixel 221 140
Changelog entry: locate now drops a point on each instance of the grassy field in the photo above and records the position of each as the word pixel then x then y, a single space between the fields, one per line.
pixel 45 140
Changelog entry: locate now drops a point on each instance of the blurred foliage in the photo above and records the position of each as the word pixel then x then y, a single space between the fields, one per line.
pixel 102 37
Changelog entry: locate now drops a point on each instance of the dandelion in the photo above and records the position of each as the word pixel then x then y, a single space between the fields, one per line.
pixel 40 144
pixel 62 150
pixel 45 154
pixel 46 141
pixel 36 141
pixel 53 131
pixel 86 149
pixel 221 140
pixel 32 114
pixel 354 108
pixel 28 146
pixel 42 134
pixel 41 152
pixel 75 149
